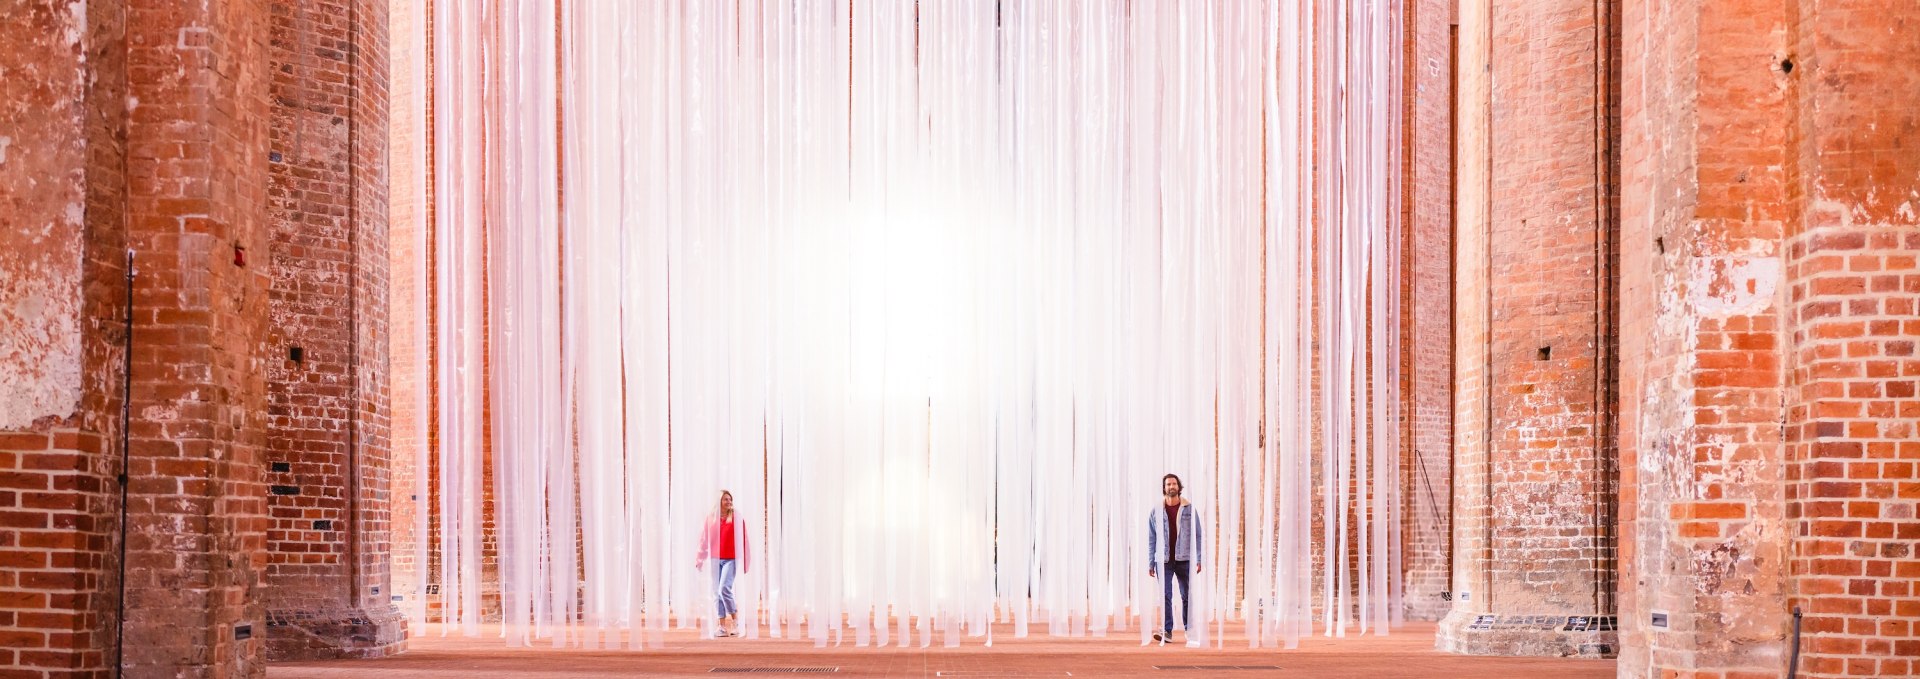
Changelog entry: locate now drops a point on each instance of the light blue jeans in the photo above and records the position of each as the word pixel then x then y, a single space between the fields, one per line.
pixel 723 570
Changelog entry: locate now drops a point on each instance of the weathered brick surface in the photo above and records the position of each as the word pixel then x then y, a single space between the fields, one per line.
pixel 1853 313
pixel 154 117
pixel 408 198
pixel 1426 306
pixel 61 286
pixel 327 541
pixel 196 167
pixel 43 151
pixel 1535 389
pixel 1853 444
pixel 1767 302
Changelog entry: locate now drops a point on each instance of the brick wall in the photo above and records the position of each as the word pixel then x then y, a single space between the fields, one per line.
pixel 327 536
pixel 1542 466
pixel 196 163
pixel 1701 379
pixel 409 197
pixel 150 123
pixel 1853 317
pixel 61 258
pixel 1768 298
pixel 1427 309
pixel 1854 445
pixel 43 152
pixel 104 338
pixel 373 471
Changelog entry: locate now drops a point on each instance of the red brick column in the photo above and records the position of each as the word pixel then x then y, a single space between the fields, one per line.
pixel 196 214
pixel 408 376
pixel 327 547
pixel 1853 319
pixel 1427 309
pixel 1533 541
pixel 61 318
pixel 1769 417
pixel 1708 158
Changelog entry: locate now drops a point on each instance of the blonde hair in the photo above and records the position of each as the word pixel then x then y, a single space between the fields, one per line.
pixel 724 496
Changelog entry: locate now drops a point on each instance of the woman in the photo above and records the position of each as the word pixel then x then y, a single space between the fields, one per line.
pixel 724 542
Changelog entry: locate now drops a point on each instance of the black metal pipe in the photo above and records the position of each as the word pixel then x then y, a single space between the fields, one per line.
pixel 126 419
pixel 1793 665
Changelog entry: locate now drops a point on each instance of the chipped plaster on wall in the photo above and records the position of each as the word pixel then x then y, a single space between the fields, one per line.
pixel 1722 287
pixel 42 83
pixel 1664 473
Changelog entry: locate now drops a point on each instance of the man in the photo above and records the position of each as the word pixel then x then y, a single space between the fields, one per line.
pixel 1174 524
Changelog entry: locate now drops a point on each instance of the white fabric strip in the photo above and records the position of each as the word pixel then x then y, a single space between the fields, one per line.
pixel 938 291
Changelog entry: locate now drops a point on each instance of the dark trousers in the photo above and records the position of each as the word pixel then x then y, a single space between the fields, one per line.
pixel 1180 570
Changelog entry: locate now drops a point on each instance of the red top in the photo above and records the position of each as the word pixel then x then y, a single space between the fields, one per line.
pixel 721 540
pixel 1173 528
pixel 724 550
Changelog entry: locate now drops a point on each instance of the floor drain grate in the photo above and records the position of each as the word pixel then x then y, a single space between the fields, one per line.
pixel 781 670
pixel 1216 668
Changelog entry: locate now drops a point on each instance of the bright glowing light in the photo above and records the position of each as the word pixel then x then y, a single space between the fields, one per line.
pixel 938 290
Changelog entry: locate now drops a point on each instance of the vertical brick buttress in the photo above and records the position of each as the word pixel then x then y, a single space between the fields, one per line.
pixel 327 541
pixel 1427 309
pixel 196 196
pixel 1534 473
pixel 62 310
pixel 142 125
pixel 1769 314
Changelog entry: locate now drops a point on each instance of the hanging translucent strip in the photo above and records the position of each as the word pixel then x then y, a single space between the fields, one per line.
pixel 937 291
pixel 459 319
pixel 422 305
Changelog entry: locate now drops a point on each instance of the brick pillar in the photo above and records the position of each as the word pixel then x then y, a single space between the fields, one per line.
pixel 1427 367
pixel 62 312
pixel 1708 159
pixel 1853 319
pixel 327 577
pixel 1771 292
pixel 196 214
pixel 408 198
pixel 1533 500
pixel 1472 187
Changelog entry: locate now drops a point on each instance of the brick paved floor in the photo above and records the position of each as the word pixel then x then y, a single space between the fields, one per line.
pixel 1408 652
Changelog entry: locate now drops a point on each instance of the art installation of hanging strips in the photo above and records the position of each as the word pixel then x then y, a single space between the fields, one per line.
pixel 937 290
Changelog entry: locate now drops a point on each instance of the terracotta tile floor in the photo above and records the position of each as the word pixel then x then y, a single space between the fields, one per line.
pixel 1408 652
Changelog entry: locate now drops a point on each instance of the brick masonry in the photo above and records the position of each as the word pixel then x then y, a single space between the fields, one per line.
pixel 1426 306
pixel 1768 292
pixel 150 123
pixel 196 166
pixel 1533 537
pixel 327 537
pixel 1852 294
pixel 61 267
pixel 1768 306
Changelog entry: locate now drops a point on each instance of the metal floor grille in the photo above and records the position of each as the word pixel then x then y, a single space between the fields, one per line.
pixel 781 670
